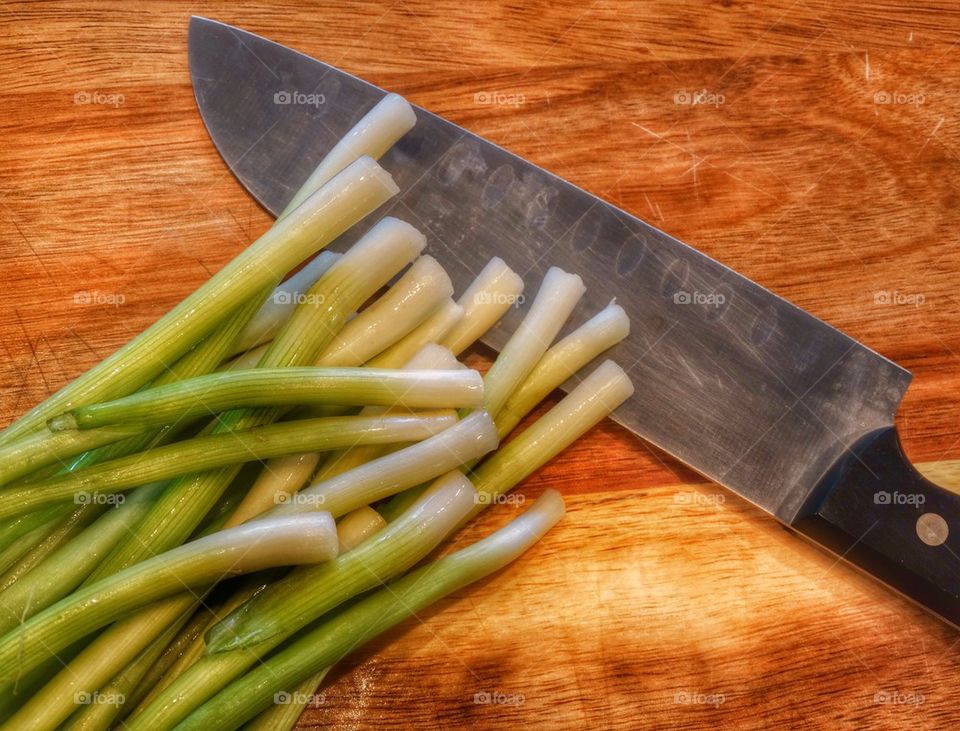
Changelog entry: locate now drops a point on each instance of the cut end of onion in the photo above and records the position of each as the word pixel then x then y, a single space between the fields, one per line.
pixel 366 168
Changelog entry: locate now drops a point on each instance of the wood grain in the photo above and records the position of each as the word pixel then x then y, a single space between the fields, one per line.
pixel 661 602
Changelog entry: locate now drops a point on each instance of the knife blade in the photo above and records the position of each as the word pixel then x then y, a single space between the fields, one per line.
pixel 738 383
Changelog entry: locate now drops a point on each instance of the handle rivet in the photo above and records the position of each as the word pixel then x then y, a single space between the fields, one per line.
pixel 932 529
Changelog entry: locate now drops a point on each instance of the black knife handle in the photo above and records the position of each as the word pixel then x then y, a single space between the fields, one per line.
pixel 877 512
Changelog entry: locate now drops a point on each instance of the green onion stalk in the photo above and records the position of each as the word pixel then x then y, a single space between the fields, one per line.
pixel 385 554
pixel 428 357
pixel 366 267
pixel 280 387
pixel 63 570
pixel 285 475
pixel 358 623
pixel 414 297
pixel 93 484
pixel 284 541
pixel 431 330
pixel 349 196
pixel 39 449
pixel 200 360
pixel 376 132
pixel 352 530
pixel 68 529
pixel 283 300
pixel 598 334
pixel 495 290
pixel 126 687
pixel 558 294
pixel 285 608
pixel 120 644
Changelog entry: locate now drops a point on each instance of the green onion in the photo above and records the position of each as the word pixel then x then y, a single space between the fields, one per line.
pixel 100 661
pixel 368 265
pixel 347 198
pixel 464 441
pixel 62 571
pixel 282 541
pixel 124 687
pixel 361 622
pixel 495 290
pixel 279 478
pixel 599 393
pixel 428 357
pixel 62 533
pixel 39 449
pixel 276 310
pixel 389 120
pixel 217 392
pixel 401 309
pixel 431 330
pixel 198 361
pixel 595 397
pixel 604 330
pixel 285 475
pixel 355 527
pixel 215 450
pixel 559 293
pixel 14 553
pixel 471 437
pixel 284 716
pixel 167 667
pixel 386 554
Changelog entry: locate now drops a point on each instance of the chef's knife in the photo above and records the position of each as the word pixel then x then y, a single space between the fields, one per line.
pixel 736 382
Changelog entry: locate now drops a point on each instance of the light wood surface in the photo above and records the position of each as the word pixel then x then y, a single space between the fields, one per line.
pixel 823 165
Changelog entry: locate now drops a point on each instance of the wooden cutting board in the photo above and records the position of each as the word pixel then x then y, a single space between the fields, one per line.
pixel 810 145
